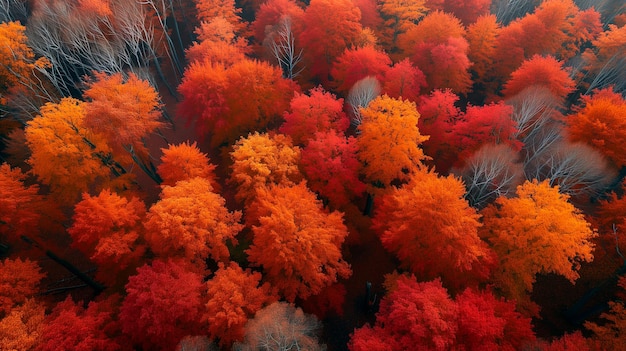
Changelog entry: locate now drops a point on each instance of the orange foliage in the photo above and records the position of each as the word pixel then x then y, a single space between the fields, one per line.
pixel 542 71
pixel 319 111
pixel 191 221
pixel 262 159
pixel 210 9
pixel 18 280
pixel 481 36
pixel 184 162
pixel 330 26
pixel 468 11
pixel 612 333
pixel 21 205
pixel 537 232
pixel 389 140
pixel 20 330
pixel 600 122
pixel 399 16
pixel 297 243
pixel 123 111
pixel 234 296
pixel 428 219
pixel 217 43
pixel 64 154
pixel 108 229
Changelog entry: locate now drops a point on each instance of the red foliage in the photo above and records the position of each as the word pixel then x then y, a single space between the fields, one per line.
pixel 356 64
pixel 331 167
pixel 72 327
pixel 404 80
pixel 18 281
pixel 328 302
pixel 21 205
pixel 467 11
pixel 163 304
pixel 270 13
pixel 320 111
pixel 543 71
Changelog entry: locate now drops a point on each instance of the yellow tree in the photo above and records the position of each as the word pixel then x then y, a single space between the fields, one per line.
pixel 263 159
pixel 296 241
pixel 191 221
pixel 65 154
pixel 389 140
pixel 537 232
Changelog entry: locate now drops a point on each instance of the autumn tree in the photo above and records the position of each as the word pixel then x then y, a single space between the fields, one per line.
pixel 537 232
pixel 21 204
pixel 428 219
pixel 282 44
pixel 482 39
pixel 599 123
pixel 234 296
pixel 404 80
pixel 491 172
pixel 479 125
pixel 422 316
pixel 184 162
pixel 263 159
pixel 271 13
pixel 330 164
pixel 467 11
pixel 164 303
pixel 281 326
pixel 209 9
pixel 228 103
pixel 108 229
pixel 296 241
pixel 19 279
pixel 389 140
pixel 437 47
pixel 124 112
pixel 20 330
pixel 542 71
pixel 191 221
pixel 330 28
pixel 398 17
pixel 217 42
pixel 319 111
pixel 65 154
pixel 357 63
pixel 70 326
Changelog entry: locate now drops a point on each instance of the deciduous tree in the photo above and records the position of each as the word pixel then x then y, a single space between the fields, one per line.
pixel 260 160
pixel 389 140
pixel 234 296
pixel 21 204
pixel 19 279
pixel 164 303
pixel 610 334
pixel 184 162
pixel 399 16
pixel 404 80
pixel 542 71
pixel 606 58
pixel 360 96
pixel 191 221
pixel 20 330
pixel 428 219
pixel 331 167
pixel 355 64
pixel 319 111
pixel 537 232
pixel 297 243
pixel 281 326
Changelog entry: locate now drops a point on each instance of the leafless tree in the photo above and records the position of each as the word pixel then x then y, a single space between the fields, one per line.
pixel 281 327
pixel 610 72
pixel 493 171
pixel 533 107
pixel 13 10
pixel 282 44
pixel 508 10
pixel 578 169
pixel 197 343
pixel 360 96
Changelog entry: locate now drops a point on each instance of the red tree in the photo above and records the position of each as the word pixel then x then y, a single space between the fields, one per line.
pixel 330 164
pixel 319 111
pixel 404 80
pixel 358 63
pixel 542 71
pixel 18 280
pixel 163 304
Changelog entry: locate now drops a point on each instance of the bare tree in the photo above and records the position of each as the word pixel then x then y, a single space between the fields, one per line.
pixel 508 10
pixel 611 72
pixel 491 172
pixel 281 327
pixel 13 10
pixel 578 169
pixel 197 343
pixel 533 107
pixel 282 44
pixel 360 96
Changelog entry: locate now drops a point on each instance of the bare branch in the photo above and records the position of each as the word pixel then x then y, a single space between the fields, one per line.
pixel 360 95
